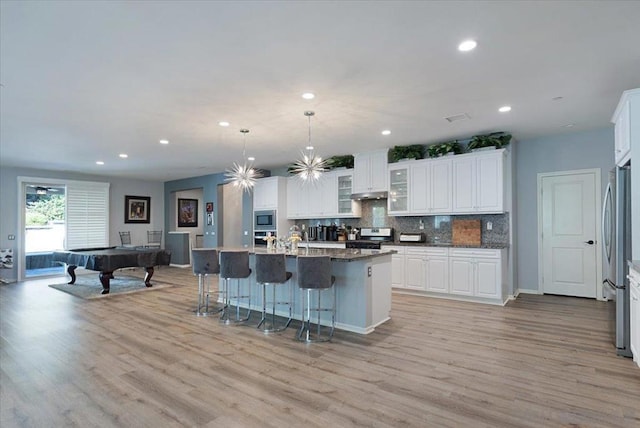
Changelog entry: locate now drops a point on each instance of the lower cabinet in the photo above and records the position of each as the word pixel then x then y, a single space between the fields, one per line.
pixel 471 272
pixel 634 283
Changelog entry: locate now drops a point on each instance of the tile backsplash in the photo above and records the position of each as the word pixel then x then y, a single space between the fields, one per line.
pixel 437 228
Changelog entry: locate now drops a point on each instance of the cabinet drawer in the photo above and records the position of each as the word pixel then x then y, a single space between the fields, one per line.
pixel 475 253
pixel 428 251
pixel 400 249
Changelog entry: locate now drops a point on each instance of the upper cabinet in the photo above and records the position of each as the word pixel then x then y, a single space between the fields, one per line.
pixel 461 184
pixel 478 182
pixel 368 171
pixel 329 197
pixel 270 193
pixel 627 124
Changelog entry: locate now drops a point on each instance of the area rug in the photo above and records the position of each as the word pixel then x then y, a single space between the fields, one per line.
pixel 89 287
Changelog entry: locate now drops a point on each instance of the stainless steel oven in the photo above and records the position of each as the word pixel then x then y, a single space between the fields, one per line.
pixel 264 220
pixel 259 235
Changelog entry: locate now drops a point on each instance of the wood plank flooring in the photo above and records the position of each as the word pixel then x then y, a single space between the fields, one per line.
pixel 146 360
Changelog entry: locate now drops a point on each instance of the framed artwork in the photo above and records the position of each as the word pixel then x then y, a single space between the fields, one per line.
pixel 187 213
pixel 209 207
pixel 137 209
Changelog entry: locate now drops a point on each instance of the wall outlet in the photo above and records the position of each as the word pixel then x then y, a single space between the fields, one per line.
pixel 421 225
pixel 246 233
pixel 12 237
pixel 489 225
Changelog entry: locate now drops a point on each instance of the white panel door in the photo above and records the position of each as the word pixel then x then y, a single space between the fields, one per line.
pixel 419 184
pixel 568 209
pixel 489 183
pixel 437 275
pixel 464 182
pixel 441 195
pixel 488 278
pixel 461 276
pixel 414 271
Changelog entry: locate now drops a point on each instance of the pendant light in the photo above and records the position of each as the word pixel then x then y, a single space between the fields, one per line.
pixel 309 167
pixel 243 176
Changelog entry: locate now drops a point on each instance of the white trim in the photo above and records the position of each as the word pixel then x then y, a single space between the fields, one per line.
pixel 598 220
pixel 527 291
pixel 22 182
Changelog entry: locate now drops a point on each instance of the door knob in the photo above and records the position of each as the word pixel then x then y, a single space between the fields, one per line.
pixel 590 242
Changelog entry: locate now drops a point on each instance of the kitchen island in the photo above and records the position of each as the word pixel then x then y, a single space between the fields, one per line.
pixel 362 286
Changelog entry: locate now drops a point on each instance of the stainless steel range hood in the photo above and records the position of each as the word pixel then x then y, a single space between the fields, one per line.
pixel 369 195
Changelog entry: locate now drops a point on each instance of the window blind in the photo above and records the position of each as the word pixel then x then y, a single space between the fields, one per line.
pixel 87 215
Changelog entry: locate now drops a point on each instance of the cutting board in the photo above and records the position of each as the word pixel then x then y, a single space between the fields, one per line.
pixel 466 232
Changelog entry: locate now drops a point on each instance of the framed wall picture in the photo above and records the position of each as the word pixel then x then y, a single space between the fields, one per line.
pixel 187 213
pixel 209 207
pixel 137 209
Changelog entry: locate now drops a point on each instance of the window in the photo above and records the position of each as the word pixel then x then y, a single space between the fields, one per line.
pixel 87 215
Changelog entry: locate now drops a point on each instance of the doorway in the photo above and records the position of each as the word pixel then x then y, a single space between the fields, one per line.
pixel 569 262
pixel 44 227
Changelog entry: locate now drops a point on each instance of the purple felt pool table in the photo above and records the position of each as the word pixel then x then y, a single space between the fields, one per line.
pixel 107 260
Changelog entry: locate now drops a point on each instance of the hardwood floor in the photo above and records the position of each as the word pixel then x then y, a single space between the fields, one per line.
pixel 146 360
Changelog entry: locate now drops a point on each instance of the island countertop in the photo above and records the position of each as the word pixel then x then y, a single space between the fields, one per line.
pixel 336 254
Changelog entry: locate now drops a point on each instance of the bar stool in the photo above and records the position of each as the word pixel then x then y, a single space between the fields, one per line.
pixel 205 262
pixel 271 270
pixel 234 265
pixel 314 274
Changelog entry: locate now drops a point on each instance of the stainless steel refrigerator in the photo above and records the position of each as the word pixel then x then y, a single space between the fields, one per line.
pixel 616 238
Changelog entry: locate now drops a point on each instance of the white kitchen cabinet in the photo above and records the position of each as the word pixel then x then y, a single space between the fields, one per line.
pixel 627 124
pixel 427 269
pixel 397 266
pixel 634 283
pixel 329 197
pixel 269 193
pixel 476 272
pixel 369 171
pixel 478 182
pixel 347 207
pixel 297 199
pixel 398 201
pixel 414 264
pixel 430 187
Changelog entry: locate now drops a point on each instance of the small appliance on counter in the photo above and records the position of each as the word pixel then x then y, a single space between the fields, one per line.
pixel 412 237
pixel 371 238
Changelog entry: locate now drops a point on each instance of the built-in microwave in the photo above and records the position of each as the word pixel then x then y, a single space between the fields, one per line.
pixel 264 220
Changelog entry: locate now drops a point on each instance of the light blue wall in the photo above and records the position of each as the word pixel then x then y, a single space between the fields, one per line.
pixel 209 186
pixel 593 149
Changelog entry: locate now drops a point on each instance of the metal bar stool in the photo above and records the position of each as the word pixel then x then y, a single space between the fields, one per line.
pixel 205 262
pixel 234 265
pixel 271 270
pixel 314 274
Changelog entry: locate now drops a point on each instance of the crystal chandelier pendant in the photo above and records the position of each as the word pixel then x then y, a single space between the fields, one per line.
pixel 243 176
pixel 309 167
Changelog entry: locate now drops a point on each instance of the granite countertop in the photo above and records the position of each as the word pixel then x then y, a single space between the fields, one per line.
pixel 336 254
pixel 448 245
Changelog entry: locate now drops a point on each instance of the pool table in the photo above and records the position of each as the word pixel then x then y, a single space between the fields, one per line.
pixel 106 260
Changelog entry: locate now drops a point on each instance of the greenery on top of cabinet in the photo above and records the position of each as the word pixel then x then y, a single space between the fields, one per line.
pixel 345 161
pixel 414 151
pixel 437 150
pixel 495 139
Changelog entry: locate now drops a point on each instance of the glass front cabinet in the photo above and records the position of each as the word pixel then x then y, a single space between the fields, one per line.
pixel 398 189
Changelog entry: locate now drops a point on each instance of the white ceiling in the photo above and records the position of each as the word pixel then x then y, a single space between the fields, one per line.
pixel 85 81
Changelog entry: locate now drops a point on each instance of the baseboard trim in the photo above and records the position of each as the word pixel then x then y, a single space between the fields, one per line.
pixel 526 291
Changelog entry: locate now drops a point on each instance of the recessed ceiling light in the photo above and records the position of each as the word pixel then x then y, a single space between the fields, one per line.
pixel 309 147
pixel 308 96
pixel 467 45
pixel 99 163
pixel 251 158
pixel 164 141
pixel 504 109
pixel 556 98
pixel 386 132
pixel 569 125
pixel 224 123
pixel 123 155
